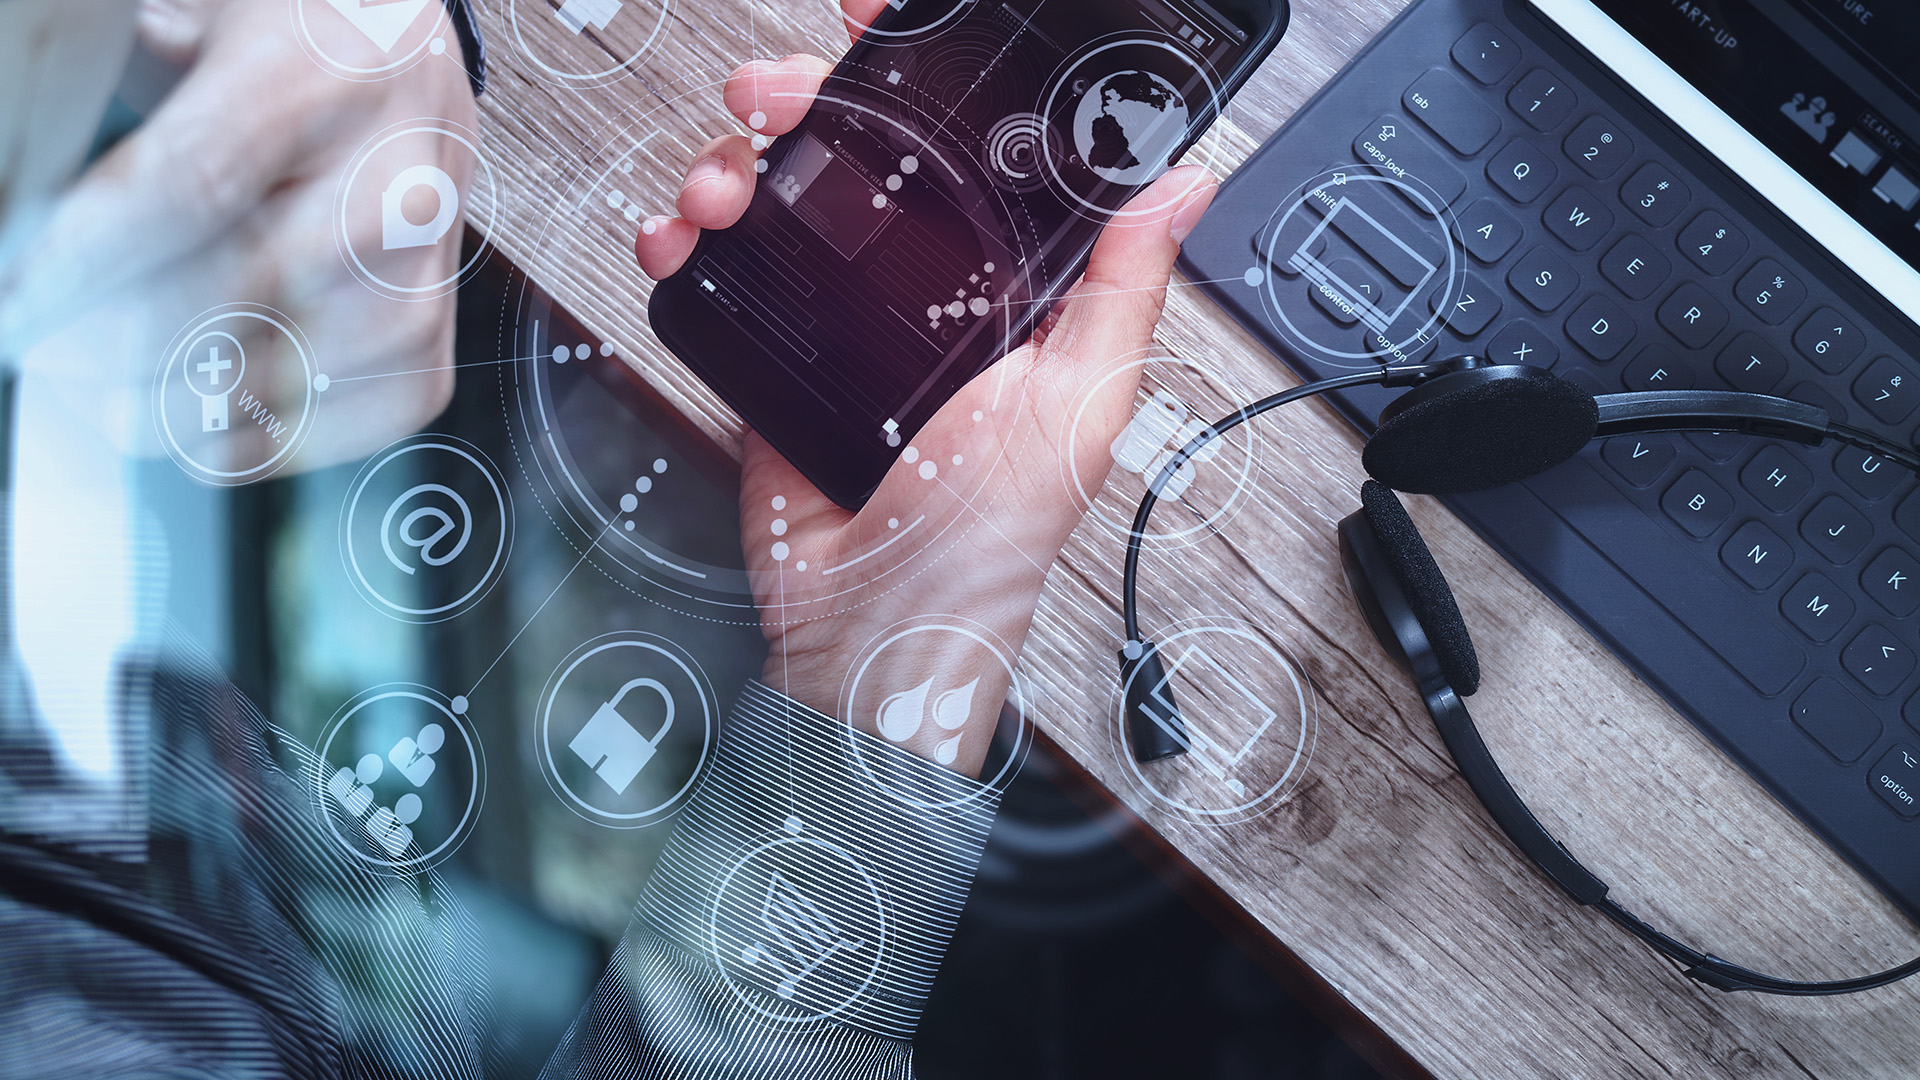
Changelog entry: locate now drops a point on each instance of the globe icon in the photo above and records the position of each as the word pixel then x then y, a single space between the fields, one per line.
pixel 1128 125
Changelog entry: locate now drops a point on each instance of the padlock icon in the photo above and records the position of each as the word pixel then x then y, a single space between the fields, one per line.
pixel 613 748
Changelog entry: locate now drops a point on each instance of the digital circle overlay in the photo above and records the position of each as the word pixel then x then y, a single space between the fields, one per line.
pixel 426 528
pixel 586 43
pixel 399 208
pixel 906 24
pixel 904 708
pixel 626 729
pixel 234 396
pixel 370 40
pixel 798 879
pixel 1313 244
pixel 1249 717
pixel 401 777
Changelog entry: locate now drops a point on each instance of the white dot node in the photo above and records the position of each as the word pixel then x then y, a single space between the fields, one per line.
pixel 643 485
pixel 956 460
pixel 757 120
pixel 438 47
pixel 894 182
pixel 893 523
pixel 978 305
pixel 759 142
pixel 632 212
pixel 650 226
pixel 779 502
pixel 801 565
pixel 780 551
pixel 1131 650
pixel 760 166
pixel 956 309
pixel 928 470
pixel 659 464
pixel 628 503
pixel 614 198
pixel 560 354
pixel 629 526
pixel 910 455
pixel 1254 276
pixel 779 526
pixel 321 382
pixel 626 167
pixel 606 348
pixel 893 438
pixel 988 268
pixel 582 351
pixel 459 704
pixel 879 202
pixel 978 416
pixel 933 312
pixel 909 164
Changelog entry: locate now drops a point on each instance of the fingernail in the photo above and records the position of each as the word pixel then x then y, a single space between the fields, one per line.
pixel 711 167
pixel 1188 216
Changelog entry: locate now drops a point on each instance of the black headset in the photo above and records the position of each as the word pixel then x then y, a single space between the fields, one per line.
pixel 1468 425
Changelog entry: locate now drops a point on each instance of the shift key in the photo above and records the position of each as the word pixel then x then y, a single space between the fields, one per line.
pixel 1452 109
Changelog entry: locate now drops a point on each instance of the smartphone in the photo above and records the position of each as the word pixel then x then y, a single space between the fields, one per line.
pixel 943 190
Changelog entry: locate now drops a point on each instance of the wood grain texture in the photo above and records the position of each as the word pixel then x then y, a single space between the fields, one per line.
pixel 1379 868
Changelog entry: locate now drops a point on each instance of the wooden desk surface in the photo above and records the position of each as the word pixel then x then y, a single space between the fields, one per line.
pixel 1378 870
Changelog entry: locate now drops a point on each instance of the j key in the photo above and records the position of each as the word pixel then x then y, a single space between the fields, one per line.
pixel 1521 342
pixel 1388 144
pixel 1888 390
pixel 1837 720
pixel 1451 109
pixel 1756 556
pixel 1712 243
pixel 1893 580
pixel 1830 340
pixel 1541 99
pixel 1487 230
pixel 1777 478
pixel 1878 660
pixel 1600 327
pixel 1522 170
pixel 1817 607
pixel 1836 530
pixel 1577 218
pixel 1748 363
pixel 1693 316
pixel 1770 292
pixel 1543 279
pixel 1468 309
pixel 1873 476
pixel 1698 504
pixel 1639 459
pixel 1656 368
pixel 1635 266
pixel 1487 54
pixel 1598 146
pixel 1896 779
pixel 1654 194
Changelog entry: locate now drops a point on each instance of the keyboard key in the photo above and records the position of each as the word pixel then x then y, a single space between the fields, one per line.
pixel 1577 218
pixel 1401 344
pixel 1452 111
pixel 1474 305
pixel 1907 516
pixel 1720 447
pixel 1639 459
pixel 1693 316
pixel 1348 285
pixel 1296 234
pixel 1811 394
pixel 1836 530
pixel 1878 660
pixel 1599 147
pixel 1748 363
pixel 1635 266
pixel 1888 390
pixel 1521 342
pixel 1896 779
pixel 1756 556
pixel 1487 54
pixel 1522 170
pixel 1817 607
pixel 1656 368
pixel 1388 144
pixel 1836 720
pixel 1893 580
pixel 1601 327
pixel 1408 250
pixel 1830 340
pixel 1770 292
pixel 1777 477
pixel 1873 476
pixel 1543 279
pixel 1542 99
pixel 1712 243
pixel 1697 503
pixel 1488 231
pixel 1654 194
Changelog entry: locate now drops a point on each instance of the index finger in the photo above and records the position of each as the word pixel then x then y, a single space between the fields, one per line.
pixel 860 14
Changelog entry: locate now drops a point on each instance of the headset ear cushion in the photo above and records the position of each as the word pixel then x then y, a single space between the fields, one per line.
pixel 1425 587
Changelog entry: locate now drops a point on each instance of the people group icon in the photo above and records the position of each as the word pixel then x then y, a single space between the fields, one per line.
pixel 1813 116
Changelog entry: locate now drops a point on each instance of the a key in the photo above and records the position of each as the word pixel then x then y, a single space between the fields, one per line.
pixel 1468 309
pixel 1391 146
pixel 1878 660
pixel 1656 368
pixel 1487 230
pixel 1837 720
pixel 1817 607
pixel 1871 475
pixel 1888 390
pixel 1697 503
pixel 1777 478
pixel 1896 779
pixel 1892 579
pixel 1830 340
pixel 1521 342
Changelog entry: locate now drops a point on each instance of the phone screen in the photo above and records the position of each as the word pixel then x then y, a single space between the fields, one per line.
pixel 951 176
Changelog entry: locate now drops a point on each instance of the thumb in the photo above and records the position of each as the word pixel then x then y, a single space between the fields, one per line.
pixel 1111 313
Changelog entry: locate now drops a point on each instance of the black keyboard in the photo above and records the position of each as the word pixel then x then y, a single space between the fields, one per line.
pixel 1472 182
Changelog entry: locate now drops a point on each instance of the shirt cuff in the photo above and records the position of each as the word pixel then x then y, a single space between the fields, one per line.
pixel 821 870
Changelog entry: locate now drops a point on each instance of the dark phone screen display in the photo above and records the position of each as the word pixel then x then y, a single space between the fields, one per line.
pixel 952 169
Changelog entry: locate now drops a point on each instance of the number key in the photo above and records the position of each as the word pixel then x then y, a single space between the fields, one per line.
pixel 1542 99
pixel 1698 504
pixel 1836 530
pixel 1888 390
pixel 1712 242
pixel 1654 194
pixel 1829 340
pixel 1599 147
pixel 1770 292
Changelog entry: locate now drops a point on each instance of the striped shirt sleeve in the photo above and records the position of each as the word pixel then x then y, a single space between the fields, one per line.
pixel 797 917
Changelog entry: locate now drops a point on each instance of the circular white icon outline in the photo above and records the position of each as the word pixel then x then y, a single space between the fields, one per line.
pixel 476 759
pixel 176 352
pixel 443 21
pixel 709 712
pixel 575 80
pixel 343 233
pixel 503 547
